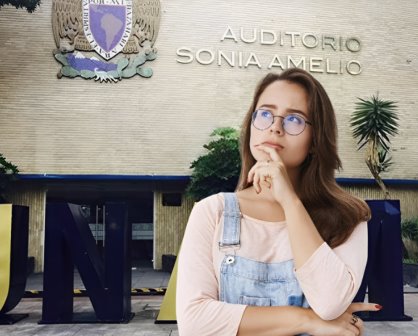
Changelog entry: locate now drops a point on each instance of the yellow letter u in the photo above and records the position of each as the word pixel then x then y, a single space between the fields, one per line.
pixel 5 250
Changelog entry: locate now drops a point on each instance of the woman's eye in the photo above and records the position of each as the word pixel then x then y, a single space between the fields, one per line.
pixel 266 114
pixel 294 119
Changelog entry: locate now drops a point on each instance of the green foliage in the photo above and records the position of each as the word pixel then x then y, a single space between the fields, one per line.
pixel 8 173
pixel 373 121
pixel 384 161
pixel 30 5
pixel 410 261
pixel 410 240
pixel 410 229
pixel 217 170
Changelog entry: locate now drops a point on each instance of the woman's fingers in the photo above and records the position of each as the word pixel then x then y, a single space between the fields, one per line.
pixel 355 324
pixel 360 325
pixel 260 176
pixel 271 151
pixel 353 329
pixel 362 306
pixel 263 172
pixel 358 307
pixel 254 168
pixel 354 320
pixel 256 182
pixel 251 173
pixel 350 324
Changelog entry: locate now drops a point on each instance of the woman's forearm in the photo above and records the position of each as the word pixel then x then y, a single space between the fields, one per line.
pixel 277 321
pixel 303 234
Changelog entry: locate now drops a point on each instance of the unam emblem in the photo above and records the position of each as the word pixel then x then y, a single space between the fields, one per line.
pixel 121 32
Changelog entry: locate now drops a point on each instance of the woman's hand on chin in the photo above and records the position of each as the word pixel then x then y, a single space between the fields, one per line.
pixel 272 175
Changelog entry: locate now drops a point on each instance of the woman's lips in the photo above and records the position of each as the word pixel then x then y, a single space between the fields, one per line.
pixel 275 146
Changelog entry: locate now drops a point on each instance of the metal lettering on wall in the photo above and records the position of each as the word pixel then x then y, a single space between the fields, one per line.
pixel 94 37
pixel 345 47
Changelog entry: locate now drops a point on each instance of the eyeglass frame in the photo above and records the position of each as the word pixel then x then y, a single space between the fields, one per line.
pixel 283 118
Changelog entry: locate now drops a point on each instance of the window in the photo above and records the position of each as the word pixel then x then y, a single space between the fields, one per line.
pixel 171 199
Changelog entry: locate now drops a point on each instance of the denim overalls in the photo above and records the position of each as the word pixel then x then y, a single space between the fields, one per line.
pixel 250 282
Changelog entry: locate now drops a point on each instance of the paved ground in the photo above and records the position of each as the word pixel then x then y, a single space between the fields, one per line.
pixel 142 324
pixel 141 277
pixel 146 309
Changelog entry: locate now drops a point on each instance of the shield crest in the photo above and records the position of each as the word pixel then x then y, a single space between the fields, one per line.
pixel 107 25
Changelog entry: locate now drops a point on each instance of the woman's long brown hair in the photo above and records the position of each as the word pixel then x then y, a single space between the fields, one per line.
pixel 335 212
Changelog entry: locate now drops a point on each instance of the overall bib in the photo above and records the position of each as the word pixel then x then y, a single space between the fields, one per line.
pixel 250 282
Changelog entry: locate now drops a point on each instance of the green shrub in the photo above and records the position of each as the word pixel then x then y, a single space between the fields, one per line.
pixel 217 170
pixel 410 261
pixel 8 173
pixel 410 239
pixel 410 229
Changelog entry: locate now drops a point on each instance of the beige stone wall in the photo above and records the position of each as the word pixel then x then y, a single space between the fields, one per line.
pixel 169 225
pixel 407 196
pixel 158 125
pixel 35 198
pixel 170 222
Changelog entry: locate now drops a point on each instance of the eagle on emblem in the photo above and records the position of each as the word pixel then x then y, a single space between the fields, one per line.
pixel 83 29
pixel 69 33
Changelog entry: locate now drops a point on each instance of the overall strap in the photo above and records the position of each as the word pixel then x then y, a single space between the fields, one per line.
pixel 232 222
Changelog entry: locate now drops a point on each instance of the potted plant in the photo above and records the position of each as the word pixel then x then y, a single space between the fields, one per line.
pixel 374 121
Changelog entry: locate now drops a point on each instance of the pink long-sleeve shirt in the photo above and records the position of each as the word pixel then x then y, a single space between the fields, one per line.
pixel 330 278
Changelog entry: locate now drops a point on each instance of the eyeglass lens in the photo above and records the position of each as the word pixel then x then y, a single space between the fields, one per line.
pixel 292 123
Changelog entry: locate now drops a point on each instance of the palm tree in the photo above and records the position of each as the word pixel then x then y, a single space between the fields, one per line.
pixel 373 121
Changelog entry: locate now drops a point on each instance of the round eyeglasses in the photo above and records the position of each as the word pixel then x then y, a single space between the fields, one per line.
pixel 293 124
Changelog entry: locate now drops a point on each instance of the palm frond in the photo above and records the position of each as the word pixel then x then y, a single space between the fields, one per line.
pixel 385 161
pixel 374 118
pixel 373 122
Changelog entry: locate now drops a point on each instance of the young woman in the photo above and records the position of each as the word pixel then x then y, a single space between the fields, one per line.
pixel 285 254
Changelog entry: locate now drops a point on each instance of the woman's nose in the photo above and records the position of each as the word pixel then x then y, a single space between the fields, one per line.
pixel 277 126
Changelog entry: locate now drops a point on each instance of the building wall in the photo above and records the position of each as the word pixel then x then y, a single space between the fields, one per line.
pixel 158 125
pixel 169 225
pixel 408 197
pixel 170 221
pixel 35 198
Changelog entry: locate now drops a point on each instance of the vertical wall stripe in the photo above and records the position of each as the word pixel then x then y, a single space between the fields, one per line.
pixel 169 225
pixel 36 200
pixel 408 197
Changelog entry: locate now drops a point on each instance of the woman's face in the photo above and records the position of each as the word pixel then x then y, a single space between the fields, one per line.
pixel 283 98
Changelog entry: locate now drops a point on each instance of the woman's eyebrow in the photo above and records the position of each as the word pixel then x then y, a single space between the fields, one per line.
pixel 288 110
pixel 271 106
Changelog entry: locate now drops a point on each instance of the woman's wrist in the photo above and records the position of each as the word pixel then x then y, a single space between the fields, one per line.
pixel 308 319
pixel 290 200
